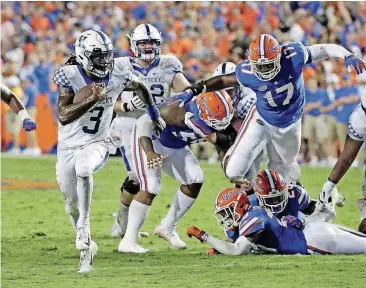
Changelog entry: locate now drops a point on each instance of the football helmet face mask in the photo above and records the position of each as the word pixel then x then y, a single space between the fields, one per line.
pixel 265 57
pixel 94 51
pixel 230 206
pixel 224 69
pixel 145 42
pixel 215 109
pixel 271 190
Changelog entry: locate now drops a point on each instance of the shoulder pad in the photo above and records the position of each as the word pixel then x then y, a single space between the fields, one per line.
pixel 60 77
pixel 171 62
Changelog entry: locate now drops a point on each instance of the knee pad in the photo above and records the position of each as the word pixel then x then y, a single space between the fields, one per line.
pixel 130 186
pixel 83 170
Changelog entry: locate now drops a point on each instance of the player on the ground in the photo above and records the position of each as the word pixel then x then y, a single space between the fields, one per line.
pixel 18 108
pixel 274 73
pixel 161 74
pixel 200 119
pixel 88 88
pixel 259 227
pixel 356 136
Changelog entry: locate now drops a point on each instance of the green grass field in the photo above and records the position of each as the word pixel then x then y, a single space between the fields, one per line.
pixel 38 250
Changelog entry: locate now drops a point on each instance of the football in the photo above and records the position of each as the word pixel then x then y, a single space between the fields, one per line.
pixel 83 93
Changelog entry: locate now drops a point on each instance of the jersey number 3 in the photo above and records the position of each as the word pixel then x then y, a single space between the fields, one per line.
pixel 95 118
pixel 289 87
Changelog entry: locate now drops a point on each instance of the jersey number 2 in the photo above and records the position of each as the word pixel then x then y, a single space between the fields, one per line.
pixel 289 87
pixel 95 119
pixel 157 90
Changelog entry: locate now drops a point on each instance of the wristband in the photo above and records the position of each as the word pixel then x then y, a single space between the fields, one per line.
pixel 124 107
pixel 333 182
pixel 153 112
pixel 23 114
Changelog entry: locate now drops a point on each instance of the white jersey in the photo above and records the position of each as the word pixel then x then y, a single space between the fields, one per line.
pixel 158 78
pixel 94 125
pixel 243 100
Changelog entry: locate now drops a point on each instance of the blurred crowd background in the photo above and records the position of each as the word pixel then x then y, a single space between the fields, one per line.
pixel 37 37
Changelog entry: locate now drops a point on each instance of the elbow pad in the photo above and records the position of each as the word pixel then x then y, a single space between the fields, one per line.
pixel 225 139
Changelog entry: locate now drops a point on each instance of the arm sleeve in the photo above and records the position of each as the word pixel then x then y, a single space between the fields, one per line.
pixel 302 196
pixel 241 246
pixel 250 225
pixel 319 52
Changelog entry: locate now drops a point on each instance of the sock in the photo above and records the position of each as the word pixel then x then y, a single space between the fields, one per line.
pixel 363 213
pixel 136 218
pixel 84 190
pixel 123 209
pixel 181 204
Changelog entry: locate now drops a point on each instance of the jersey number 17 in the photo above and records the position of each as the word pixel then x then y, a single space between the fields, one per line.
pixel 289 87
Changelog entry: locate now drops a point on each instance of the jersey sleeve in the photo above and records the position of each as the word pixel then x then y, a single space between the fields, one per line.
pixel 242 70
pixel 198 126
pixel 251 224
pixel 60 78
pixel 124 73
pixel 298 54
pixel 175 65
pixel 302 196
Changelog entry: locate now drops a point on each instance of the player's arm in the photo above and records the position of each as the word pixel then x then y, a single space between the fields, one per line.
pixel 319 52
pixel 180 82
pixel 69 111
pixel 241 246
pixel 17 107
pixel 214 84
pixel 223 139
pixel 312 106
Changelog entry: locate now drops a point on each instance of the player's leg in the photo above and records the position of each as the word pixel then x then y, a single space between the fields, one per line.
pixel 249 143
pixel 88 160
pixel 283 149
pixel 326 238
pixel 66 179
pixel 150 184
pixel 183 166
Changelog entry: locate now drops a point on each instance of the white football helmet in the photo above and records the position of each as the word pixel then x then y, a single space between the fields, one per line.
pixel 94 51
pixel 224 68
pixel 145 42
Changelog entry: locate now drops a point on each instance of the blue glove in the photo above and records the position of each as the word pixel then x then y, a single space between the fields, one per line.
pixel 356 63
pixel 184 97
pixel 293 221
pixel 29 125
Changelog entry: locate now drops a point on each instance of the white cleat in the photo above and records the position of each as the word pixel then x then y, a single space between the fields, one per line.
pixel 116 230
pixel 86 258
pixel 126 247
pixel 82 237
pixel 170 235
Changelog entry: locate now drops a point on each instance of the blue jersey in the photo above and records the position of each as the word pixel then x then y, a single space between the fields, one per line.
pixel 344 111
pixel 280 101
pixel 194 130
pixel 274 233
pixel 313 96
pixel 326 98
pixel 298 200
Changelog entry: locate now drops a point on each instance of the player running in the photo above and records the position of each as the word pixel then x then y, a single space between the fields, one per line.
pixel 161 74
pixel 198 120
pixel 356 136
pixel 274 73
pixel 18 108
pixel 88 88
pixel 256 228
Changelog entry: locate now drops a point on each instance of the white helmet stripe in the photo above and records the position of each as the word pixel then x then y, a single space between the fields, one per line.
pixel 223 99
pixel 270 178
pixel 261 45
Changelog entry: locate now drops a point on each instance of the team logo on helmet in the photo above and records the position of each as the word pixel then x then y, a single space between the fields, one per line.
pixel 207 108
pixel 230 194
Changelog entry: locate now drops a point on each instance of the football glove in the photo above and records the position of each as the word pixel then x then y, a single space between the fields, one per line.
pixel 132 105
pixel 355 63
pixel 196 232
pixel 293 221
pixel 29 125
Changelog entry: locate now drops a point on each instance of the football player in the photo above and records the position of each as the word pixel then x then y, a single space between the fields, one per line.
pixel 200 119
pixel 84 126
pixel 161 74
pixel 18 108
pixel 356 136
pixel 260 228
pixel 274 73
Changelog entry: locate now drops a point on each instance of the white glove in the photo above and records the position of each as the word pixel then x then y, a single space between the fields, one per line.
pixel 132 105
pixel 326 195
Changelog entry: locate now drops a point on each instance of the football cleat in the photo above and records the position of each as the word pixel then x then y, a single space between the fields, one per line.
pixel 86 258
pixel 82 237
pixel 126 247
pixel 116 230
pixel 170 235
